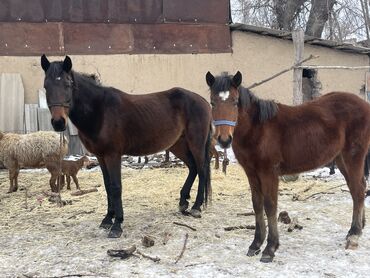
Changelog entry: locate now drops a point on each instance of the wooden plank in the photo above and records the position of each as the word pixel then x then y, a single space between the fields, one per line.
pixel 44 119
pixel 75 146
pixel 367 86
pixel 11 103
pixel 30 116
pixel 74 143
pixel 42 98
pixel 72 128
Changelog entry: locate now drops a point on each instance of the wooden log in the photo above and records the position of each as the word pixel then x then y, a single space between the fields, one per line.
pixel 184 225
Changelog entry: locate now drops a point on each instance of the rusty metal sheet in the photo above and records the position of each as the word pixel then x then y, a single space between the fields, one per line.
pixel 101 38
pixel 212 11
pixel 135 11
pixel 116 11
pixel 21 10
pixel 54 10
pixel 97 38
pixel 181 38
pixel 29 38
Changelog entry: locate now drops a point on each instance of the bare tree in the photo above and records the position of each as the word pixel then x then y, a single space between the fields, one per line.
pixel 319 15
pixel 341 20
pixel 286 12
pixel 365 13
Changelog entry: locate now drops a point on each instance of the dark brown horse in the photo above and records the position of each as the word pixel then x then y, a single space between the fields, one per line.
pixel 111 123
pixel 271 139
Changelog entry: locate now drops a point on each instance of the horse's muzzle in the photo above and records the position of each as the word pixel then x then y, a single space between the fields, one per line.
pixel 225 143
pixel 59 125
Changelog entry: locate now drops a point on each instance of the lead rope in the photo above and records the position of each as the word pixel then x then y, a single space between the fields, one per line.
pixel 61 143
pixel 225 162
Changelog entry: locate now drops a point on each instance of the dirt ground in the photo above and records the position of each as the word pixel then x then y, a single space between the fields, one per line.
pixel 40 239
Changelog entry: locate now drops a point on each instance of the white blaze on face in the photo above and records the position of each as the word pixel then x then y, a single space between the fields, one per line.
pixel 224 95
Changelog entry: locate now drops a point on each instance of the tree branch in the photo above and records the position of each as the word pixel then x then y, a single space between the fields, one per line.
pixel 283 71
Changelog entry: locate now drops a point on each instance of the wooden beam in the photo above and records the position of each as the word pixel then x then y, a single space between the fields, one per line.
pixel 298 42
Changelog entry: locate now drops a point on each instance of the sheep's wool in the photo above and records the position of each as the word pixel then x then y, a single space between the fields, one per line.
pixel 31 150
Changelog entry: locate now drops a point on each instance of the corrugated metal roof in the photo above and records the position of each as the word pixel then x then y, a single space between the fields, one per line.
pixel 308 39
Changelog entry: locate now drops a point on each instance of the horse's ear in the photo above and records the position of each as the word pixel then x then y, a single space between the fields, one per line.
pixel 237 79
pixel 210 79
pixel 67 64
pixel 45 64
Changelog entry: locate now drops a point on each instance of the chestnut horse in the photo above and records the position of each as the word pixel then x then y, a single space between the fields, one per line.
pixel 111 123
pixel 272 139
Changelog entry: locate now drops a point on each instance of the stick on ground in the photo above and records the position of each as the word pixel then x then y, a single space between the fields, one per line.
pixel 81 212
pixel 183 248
pixel 246 214
pixel 184 225
pixel 248 227
pixel 154 259
pixel 84 191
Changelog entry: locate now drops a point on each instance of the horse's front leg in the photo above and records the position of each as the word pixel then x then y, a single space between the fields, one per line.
pixel 260 231
pixel 113 166
pixel 107 221
pixel 269 186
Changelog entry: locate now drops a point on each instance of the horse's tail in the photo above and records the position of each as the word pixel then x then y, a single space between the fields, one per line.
pixel 207 165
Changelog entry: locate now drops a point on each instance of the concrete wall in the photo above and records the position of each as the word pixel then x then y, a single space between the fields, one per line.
pixel 256 56
pixel 259 57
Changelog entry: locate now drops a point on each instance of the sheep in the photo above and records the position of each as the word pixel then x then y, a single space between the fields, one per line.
pixel 70 169
pixel 34 150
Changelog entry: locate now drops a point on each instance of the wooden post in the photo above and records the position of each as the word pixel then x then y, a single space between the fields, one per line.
pixel 298 41
pixel 367 86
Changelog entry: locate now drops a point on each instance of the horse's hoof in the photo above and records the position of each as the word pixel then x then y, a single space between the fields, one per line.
pixel 266 258
pixel 106 226
pixel 253 252
pixel 115 233
pixel 183 208
pixel 352 242
pixel 195 213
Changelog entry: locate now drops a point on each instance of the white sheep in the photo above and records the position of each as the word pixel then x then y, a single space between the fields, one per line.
pixel 33 150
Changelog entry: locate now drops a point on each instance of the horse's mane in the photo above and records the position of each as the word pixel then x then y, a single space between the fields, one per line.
pixel 91 78
pixel 56 69
pixel 266 109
